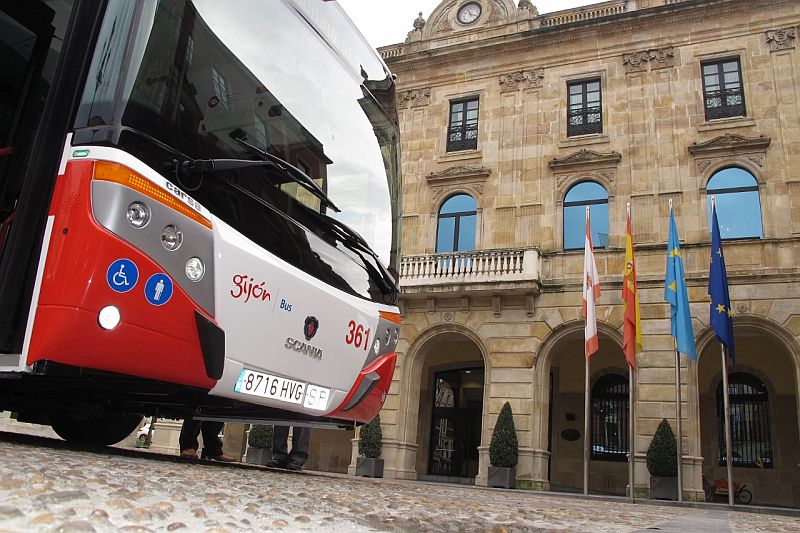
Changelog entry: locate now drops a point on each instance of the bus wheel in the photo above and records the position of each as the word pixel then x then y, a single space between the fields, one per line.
pixel 95 430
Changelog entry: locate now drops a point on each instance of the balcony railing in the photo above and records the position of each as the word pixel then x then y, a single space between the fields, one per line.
pixel 578 15
pixel 482 266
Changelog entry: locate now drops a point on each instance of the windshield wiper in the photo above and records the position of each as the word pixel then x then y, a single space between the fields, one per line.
pixel 199 166
pixel 295 173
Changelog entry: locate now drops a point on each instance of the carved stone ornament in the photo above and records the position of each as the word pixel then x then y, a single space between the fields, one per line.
pixel 662 58
pixel 443 25
pixel 730 142
pixel 458 172
pixel 583 157
pixel 414 98
pixel 419 22
pixel 522 79
pixel 635 62
pixel 654 59
pixel 526 4
pixel 781 39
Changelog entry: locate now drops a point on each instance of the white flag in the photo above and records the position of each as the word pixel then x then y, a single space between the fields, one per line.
pixel 591 291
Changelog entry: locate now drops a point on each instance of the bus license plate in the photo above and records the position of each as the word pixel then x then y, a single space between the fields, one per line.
pixel 267 386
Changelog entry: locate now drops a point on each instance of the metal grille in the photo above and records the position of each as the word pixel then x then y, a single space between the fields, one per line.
pixel 751 443
pixel 724 103
pixel 610 418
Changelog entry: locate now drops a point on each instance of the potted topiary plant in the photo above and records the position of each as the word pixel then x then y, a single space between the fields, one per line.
pixel 504 451
pixel 259 444
pixel 662 463
pixel 369 449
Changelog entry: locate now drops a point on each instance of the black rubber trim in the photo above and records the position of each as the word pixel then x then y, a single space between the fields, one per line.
pixel 212 343
pixel 364 388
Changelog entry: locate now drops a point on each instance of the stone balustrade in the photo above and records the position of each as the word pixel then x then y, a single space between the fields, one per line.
pixel 591 12
pixel 479 266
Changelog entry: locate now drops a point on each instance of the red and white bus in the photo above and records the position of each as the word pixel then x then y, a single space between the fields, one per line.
pixel 199 206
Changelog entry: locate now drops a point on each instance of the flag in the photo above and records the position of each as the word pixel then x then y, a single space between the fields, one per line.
pixel 721 312
pixel 591 291
pixel 675 294
pixel 632 320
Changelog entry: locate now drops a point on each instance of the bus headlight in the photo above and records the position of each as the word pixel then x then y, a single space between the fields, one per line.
pixel 195 269
pixel 109 317
pixel 171 238
pixel 138 215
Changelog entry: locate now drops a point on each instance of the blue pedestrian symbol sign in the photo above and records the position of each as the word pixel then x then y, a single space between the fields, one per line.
pixel 158 289
pixel 122 275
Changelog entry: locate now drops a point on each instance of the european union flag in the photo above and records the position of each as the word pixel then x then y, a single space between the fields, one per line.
pixel 721 312
pixel 675 294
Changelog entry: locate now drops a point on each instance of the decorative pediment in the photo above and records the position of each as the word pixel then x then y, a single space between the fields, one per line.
pixel 460 178
pixel 586 157
pixel 444 19
pixel 731 142
pixel 458 173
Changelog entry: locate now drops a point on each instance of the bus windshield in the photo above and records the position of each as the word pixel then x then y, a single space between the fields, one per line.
pixel 191 79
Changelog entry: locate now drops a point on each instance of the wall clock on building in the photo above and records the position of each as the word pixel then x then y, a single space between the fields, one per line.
pixel 469 13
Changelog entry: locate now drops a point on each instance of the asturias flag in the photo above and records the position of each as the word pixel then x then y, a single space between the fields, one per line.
pixel 721 312
pixel 675 294
pixel 591 291
pixel 632 320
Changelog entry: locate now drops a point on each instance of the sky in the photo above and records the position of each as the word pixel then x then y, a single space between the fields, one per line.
pixel 385 22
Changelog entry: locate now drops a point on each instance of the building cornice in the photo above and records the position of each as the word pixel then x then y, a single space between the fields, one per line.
pixel 631 22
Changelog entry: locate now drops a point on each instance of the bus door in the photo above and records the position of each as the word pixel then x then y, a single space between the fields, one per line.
pixel 32 35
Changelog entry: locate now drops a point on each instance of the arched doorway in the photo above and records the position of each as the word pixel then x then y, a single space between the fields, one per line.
pixel 764 415
pixel 451 409
pixel 608 466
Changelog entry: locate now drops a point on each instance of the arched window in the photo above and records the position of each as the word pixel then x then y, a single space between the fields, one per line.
pixel 738 203
pixel 751 441
pixel 610 418
pixel 457 219
pixel 594 195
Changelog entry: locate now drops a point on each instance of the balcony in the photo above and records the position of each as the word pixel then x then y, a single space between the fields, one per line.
pixel 510 270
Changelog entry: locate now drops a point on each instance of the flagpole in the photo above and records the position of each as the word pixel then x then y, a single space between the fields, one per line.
pixel 728 454
pixel 726 399
pixel 587 438
pixel 631 435
pixel 679 422
pixel 631 401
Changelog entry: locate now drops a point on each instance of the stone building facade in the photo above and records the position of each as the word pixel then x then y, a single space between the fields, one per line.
pixel 511 123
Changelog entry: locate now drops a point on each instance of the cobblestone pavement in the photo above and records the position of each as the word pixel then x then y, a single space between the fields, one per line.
pixel 46 485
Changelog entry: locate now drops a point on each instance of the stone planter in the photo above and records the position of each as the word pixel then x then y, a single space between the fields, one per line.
pixel 369 467
pixel 258 456
pixel 502 477
pixel 663 488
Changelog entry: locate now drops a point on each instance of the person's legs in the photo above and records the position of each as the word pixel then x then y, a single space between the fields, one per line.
pixel 280 450
pixel 301 440
pixel 188 439
pixel 212 444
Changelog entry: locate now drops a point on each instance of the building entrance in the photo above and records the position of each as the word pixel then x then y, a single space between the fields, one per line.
pixel 456 423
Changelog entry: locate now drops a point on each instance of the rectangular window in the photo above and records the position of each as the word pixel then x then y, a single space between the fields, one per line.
pixel 463 131
pixel 584 114
pixel 722 89
pixel 220 87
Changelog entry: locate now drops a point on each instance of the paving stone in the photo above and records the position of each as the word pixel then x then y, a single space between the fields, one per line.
pixel 96 491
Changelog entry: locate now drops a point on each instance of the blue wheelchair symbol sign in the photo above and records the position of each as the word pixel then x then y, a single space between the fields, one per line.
pixel 122 275
pixel 158 289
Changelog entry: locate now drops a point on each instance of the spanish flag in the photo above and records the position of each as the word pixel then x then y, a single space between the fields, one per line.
pixel 632 322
